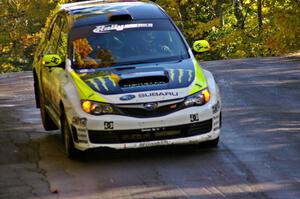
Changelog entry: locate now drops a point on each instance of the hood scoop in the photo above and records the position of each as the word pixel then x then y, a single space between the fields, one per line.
pixel 140 79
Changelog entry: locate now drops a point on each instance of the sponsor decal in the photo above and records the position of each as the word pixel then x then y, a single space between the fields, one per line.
pixel 81 136
pixel 117 27
pixel 159 94
pixel 127 97
pixel 216 117
pixel 144 84
pixel 55 60
pixel 149 144
pixel 82 130
pixel 82 122
pixel 153 129
pixel 216 128
pixel 216 107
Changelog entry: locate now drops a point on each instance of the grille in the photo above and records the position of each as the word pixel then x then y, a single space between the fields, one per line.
pixel 129 136
pixel 144 113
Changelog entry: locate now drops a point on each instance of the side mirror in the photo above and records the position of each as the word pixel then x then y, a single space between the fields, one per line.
pixel 52 60
pixel 201 46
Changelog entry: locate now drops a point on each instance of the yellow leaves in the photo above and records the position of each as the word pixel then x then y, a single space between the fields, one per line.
pixel 8 67
pixel 5 48
pixel 239 54
pixel 29 40
pixel 82 47
pixel 116 78
pixel 184 2
pixel 199 29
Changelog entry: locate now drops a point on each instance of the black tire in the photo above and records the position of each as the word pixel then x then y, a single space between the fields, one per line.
pixel 36 89
pixel 70 150
pixel 47 121
pixel 212 143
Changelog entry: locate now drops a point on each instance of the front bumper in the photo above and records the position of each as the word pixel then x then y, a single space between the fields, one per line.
pixel 187 126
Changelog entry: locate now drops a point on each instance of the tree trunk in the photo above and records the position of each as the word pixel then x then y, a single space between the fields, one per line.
pixel 259 15
pixel 182 14
pixel 238 13
pixel 220 12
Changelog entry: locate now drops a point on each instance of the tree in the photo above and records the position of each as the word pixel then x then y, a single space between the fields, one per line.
pixel 219 12
pixel 259 15
pixel 21 22
pixel 235 28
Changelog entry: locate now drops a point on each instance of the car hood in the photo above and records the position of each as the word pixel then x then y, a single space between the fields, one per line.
pixel 139 78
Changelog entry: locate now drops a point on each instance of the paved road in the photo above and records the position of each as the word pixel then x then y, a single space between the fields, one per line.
pixel 258 156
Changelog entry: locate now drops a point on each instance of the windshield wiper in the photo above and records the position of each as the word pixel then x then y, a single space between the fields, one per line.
pixel 125 68
pixel 135 62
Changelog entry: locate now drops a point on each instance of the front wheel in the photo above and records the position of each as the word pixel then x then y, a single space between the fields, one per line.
pixel 70 149
pixel 47 121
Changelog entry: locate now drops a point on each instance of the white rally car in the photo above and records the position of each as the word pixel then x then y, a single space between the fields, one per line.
pixel 121 75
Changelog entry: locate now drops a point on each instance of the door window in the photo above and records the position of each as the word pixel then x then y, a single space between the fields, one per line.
pixel 63 41
pixel 54 36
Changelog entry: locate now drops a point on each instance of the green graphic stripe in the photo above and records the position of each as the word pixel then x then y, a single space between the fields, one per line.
pixel 180 75
pixel 84 91
pixel 172 74
pixel 200 80
pixel 190 75
pixel 103 82
pixel 94 84
pixel 113 82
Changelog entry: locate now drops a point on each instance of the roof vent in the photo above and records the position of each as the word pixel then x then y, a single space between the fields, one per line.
pixel 119 17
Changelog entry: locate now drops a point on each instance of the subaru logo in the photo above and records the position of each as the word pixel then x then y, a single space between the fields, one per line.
pixel 127 97
pixel 151 106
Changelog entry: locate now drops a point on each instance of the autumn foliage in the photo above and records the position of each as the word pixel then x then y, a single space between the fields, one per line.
pixel 234 28
pixel 22 23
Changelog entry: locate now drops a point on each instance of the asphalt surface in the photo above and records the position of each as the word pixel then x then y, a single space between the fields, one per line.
pixel 258 156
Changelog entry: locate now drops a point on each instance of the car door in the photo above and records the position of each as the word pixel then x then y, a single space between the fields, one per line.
pixel 48 72
pixel 58 74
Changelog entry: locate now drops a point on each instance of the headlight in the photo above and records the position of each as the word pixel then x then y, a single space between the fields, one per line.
pixel 96 108
pixel 198 99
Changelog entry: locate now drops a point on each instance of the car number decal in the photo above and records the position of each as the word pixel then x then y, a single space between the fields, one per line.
pixel 108 125
pixel 194 117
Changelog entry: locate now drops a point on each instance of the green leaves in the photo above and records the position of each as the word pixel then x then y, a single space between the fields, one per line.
pixel 240 36
pixel 21 22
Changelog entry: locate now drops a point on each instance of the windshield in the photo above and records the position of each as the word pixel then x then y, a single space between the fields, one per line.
pixel 125 43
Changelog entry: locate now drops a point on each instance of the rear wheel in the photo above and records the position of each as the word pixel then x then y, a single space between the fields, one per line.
pixel 36 89
pixel 70 149
pixel 47 121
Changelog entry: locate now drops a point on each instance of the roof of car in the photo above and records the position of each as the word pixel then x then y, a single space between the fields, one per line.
pixel 100 11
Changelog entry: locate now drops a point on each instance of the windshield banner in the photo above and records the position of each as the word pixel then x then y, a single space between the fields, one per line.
pixel 117 27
